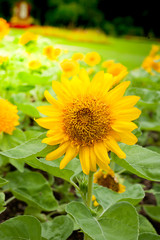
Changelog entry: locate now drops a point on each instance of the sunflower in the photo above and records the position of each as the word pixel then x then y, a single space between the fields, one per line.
pixel 77 56
pixel 4 27
pixel 8 116
pixel 27 37
pixel 92 58
pixel 51 52
pixel 34 64
pixel 107 63
pixel 89 118
pixel 118 71
pixel 69 67
pixel 109 180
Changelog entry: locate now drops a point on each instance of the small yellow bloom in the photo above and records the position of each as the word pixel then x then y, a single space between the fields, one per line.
pixel 107 64
pixel 108 179
pixel 51 52
pixel 77 56
pixel 154 50
pixel 69 67
pixel 118 71
pixel 27 37
pixel 8 116
pixel 92 58
pixel 4 27
pixel 95 203
pixel 3 59
pixel 34 64
pixel 88 118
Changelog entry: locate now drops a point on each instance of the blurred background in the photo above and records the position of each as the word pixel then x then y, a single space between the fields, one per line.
pixel 114 18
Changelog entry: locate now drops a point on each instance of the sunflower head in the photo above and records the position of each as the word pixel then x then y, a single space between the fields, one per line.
pixel 77 56
pixel 69 67
pixel 108 179
pixel 4 27
pixel 118 71
pixel 107 64
pixel 92 58
pixel 8 117
pixel 27 37
pixel 89 118
pixel 34 64
pixel 51 53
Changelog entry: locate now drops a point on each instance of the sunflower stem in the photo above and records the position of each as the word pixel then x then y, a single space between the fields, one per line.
pixel 90 189
pixel 89 196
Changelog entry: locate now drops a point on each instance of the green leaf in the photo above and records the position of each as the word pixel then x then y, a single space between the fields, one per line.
pixel 3 182
pixel 21 227
pixel 133 194
pixel 153 212
pixel 29 109
pixel 26 149
pixel 2 202
pixel 119 222
pixel 145 226
pixel 34 79
pixel 10 141
pixel 32 188
pixel 60 227
pixel 52 167
pixel 148 236
pixel 140 161
pixel 156 188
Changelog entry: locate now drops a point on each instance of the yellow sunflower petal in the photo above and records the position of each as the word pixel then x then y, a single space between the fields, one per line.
pixel 128 138
pixel 70 154
pixel 120 126
pixel 56 139
pixel 83 75
pixel 117 93
pixel 127 114
pixel 92 157
pixel 113 146
pixel 47 122
pixel 101 152
pixel 58 152
pixel 84 159
pixel 126 102
pixel 50 111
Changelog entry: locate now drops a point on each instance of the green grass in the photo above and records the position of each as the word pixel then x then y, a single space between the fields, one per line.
pixel 129 52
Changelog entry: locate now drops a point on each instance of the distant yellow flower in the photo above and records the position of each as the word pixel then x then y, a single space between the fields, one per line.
pixel 89 118
pixel 151 63
pixel 69 67
pixel 107 64
pixel 3 59
pixel 34 64
pixel 77 56
pixel 4 27
pixel 154 50
pixel 92 58
pixel 8 116
pixel 118 71
pixel 107 179
pixel 51 52
pixel 27 37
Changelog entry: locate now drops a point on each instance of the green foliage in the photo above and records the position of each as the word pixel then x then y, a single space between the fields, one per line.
pixel 140 161
pixel 148 236
pixel 32 188
pixel 119 221
pixel 133 194
pixel 153 212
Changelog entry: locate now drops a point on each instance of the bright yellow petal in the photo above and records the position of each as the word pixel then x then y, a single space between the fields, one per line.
pixel 117 93
pixel 70 154
pixel 55 139
pixel 92 157
pixel 128 138
pixel 125 102
pixel 83 75
pixel 101 152
pixel 48 122
pixel 58 152
pixel 84 159
pixel 120 126
pixel 127 114
pixel 113 146
pixel 49 111
pixel 51 100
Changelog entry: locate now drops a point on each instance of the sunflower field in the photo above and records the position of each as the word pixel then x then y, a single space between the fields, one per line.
pixel 79 136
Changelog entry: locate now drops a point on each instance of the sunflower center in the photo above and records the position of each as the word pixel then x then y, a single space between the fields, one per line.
pixel 109 182
pixel 86 121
